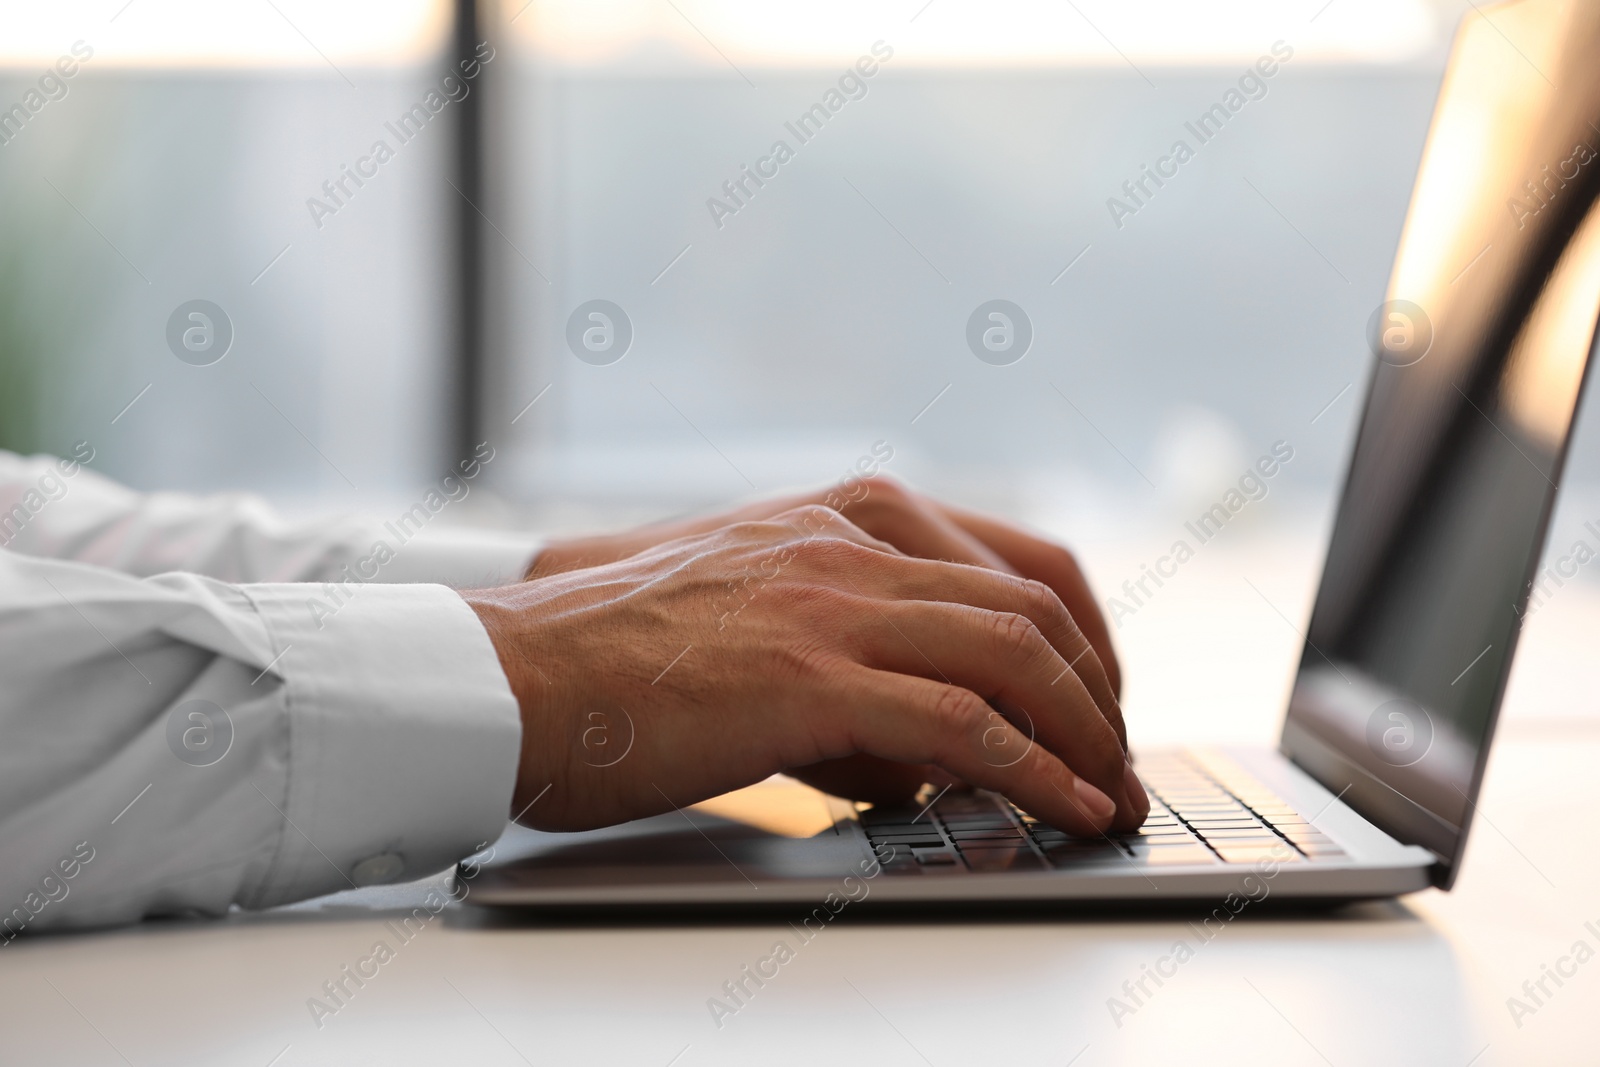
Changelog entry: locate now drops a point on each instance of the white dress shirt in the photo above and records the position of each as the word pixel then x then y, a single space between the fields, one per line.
pixel 202 706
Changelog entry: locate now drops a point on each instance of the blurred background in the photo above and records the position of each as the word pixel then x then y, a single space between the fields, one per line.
pixel 426 308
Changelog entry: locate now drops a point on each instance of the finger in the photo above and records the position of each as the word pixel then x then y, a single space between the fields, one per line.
pixel 974 585
pixel 913 720
pixel 911 579
pixel 563 554
pixel 1004 658
pixel 905 519
pixel 818 522
pixel 1050 563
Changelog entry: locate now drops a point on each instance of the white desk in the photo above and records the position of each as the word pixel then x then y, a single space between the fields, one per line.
pixel 1424 981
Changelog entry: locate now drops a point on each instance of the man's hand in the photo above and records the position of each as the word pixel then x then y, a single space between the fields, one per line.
pixel 889 511
pixel 802 644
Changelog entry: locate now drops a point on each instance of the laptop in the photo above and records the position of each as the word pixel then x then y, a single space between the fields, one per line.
pixel 1479 358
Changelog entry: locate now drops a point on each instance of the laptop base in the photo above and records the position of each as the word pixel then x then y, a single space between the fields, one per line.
pixel 1235 827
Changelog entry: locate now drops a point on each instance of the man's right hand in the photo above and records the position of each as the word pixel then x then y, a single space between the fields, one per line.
pixel 800 644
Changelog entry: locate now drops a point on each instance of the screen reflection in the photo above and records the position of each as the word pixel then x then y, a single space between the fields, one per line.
pixel 1480 351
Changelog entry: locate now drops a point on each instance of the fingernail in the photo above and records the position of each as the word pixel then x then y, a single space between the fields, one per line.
pixel 1136 792
pixel 1095 802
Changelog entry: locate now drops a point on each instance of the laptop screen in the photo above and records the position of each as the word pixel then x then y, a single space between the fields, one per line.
pixel 1480 351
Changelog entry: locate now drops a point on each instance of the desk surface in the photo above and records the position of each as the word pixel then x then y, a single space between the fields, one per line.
pixel 1422 981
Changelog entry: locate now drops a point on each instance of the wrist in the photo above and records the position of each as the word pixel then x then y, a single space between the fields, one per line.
pixel 503 623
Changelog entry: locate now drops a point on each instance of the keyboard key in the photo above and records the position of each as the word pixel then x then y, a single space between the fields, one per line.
pixel 1172 857
pixel 901 844
pixel 1259 833
pixel 1202 825
pixel 966 806
pixel 990 845
pixel 939 858
pixel 1216 815
pixel 1002 859
pixel 1008 834
pixel 1280 852
pixel 996 823
pixel 891 816
pixel 901 860
pixel 1078 857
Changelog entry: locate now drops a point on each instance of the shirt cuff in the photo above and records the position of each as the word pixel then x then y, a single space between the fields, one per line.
pixel 459 558
pixel 404 736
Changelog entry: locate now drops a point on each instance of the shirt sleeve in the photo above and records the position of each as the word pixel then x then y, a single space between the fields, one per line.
pixel 57 508
pixel 178 744
pixel 304 709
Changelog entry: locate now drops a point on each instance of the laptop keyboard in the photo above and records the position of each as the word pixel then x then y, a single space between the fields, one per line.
pixel 1201 811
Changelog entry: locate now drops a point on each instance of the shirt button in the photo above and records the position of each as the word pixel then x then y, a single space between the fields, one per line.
pixel 381 869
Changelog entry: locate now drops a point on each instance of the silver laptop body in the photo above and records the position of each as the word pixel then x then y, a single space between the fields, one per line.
pixel 1480 354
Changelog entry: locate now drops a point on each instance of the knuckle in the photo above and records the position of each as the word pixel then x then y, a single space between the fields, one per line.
pixel 818 522
pixel 958 711
pixel 1037 596
pixel 811 604
pixel 1043 601
pixel 751 532
pixel 807 660
pixel 810 517
pixel 878 502
pixel 1103 759
pixel 1015 631
pixel 830 553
